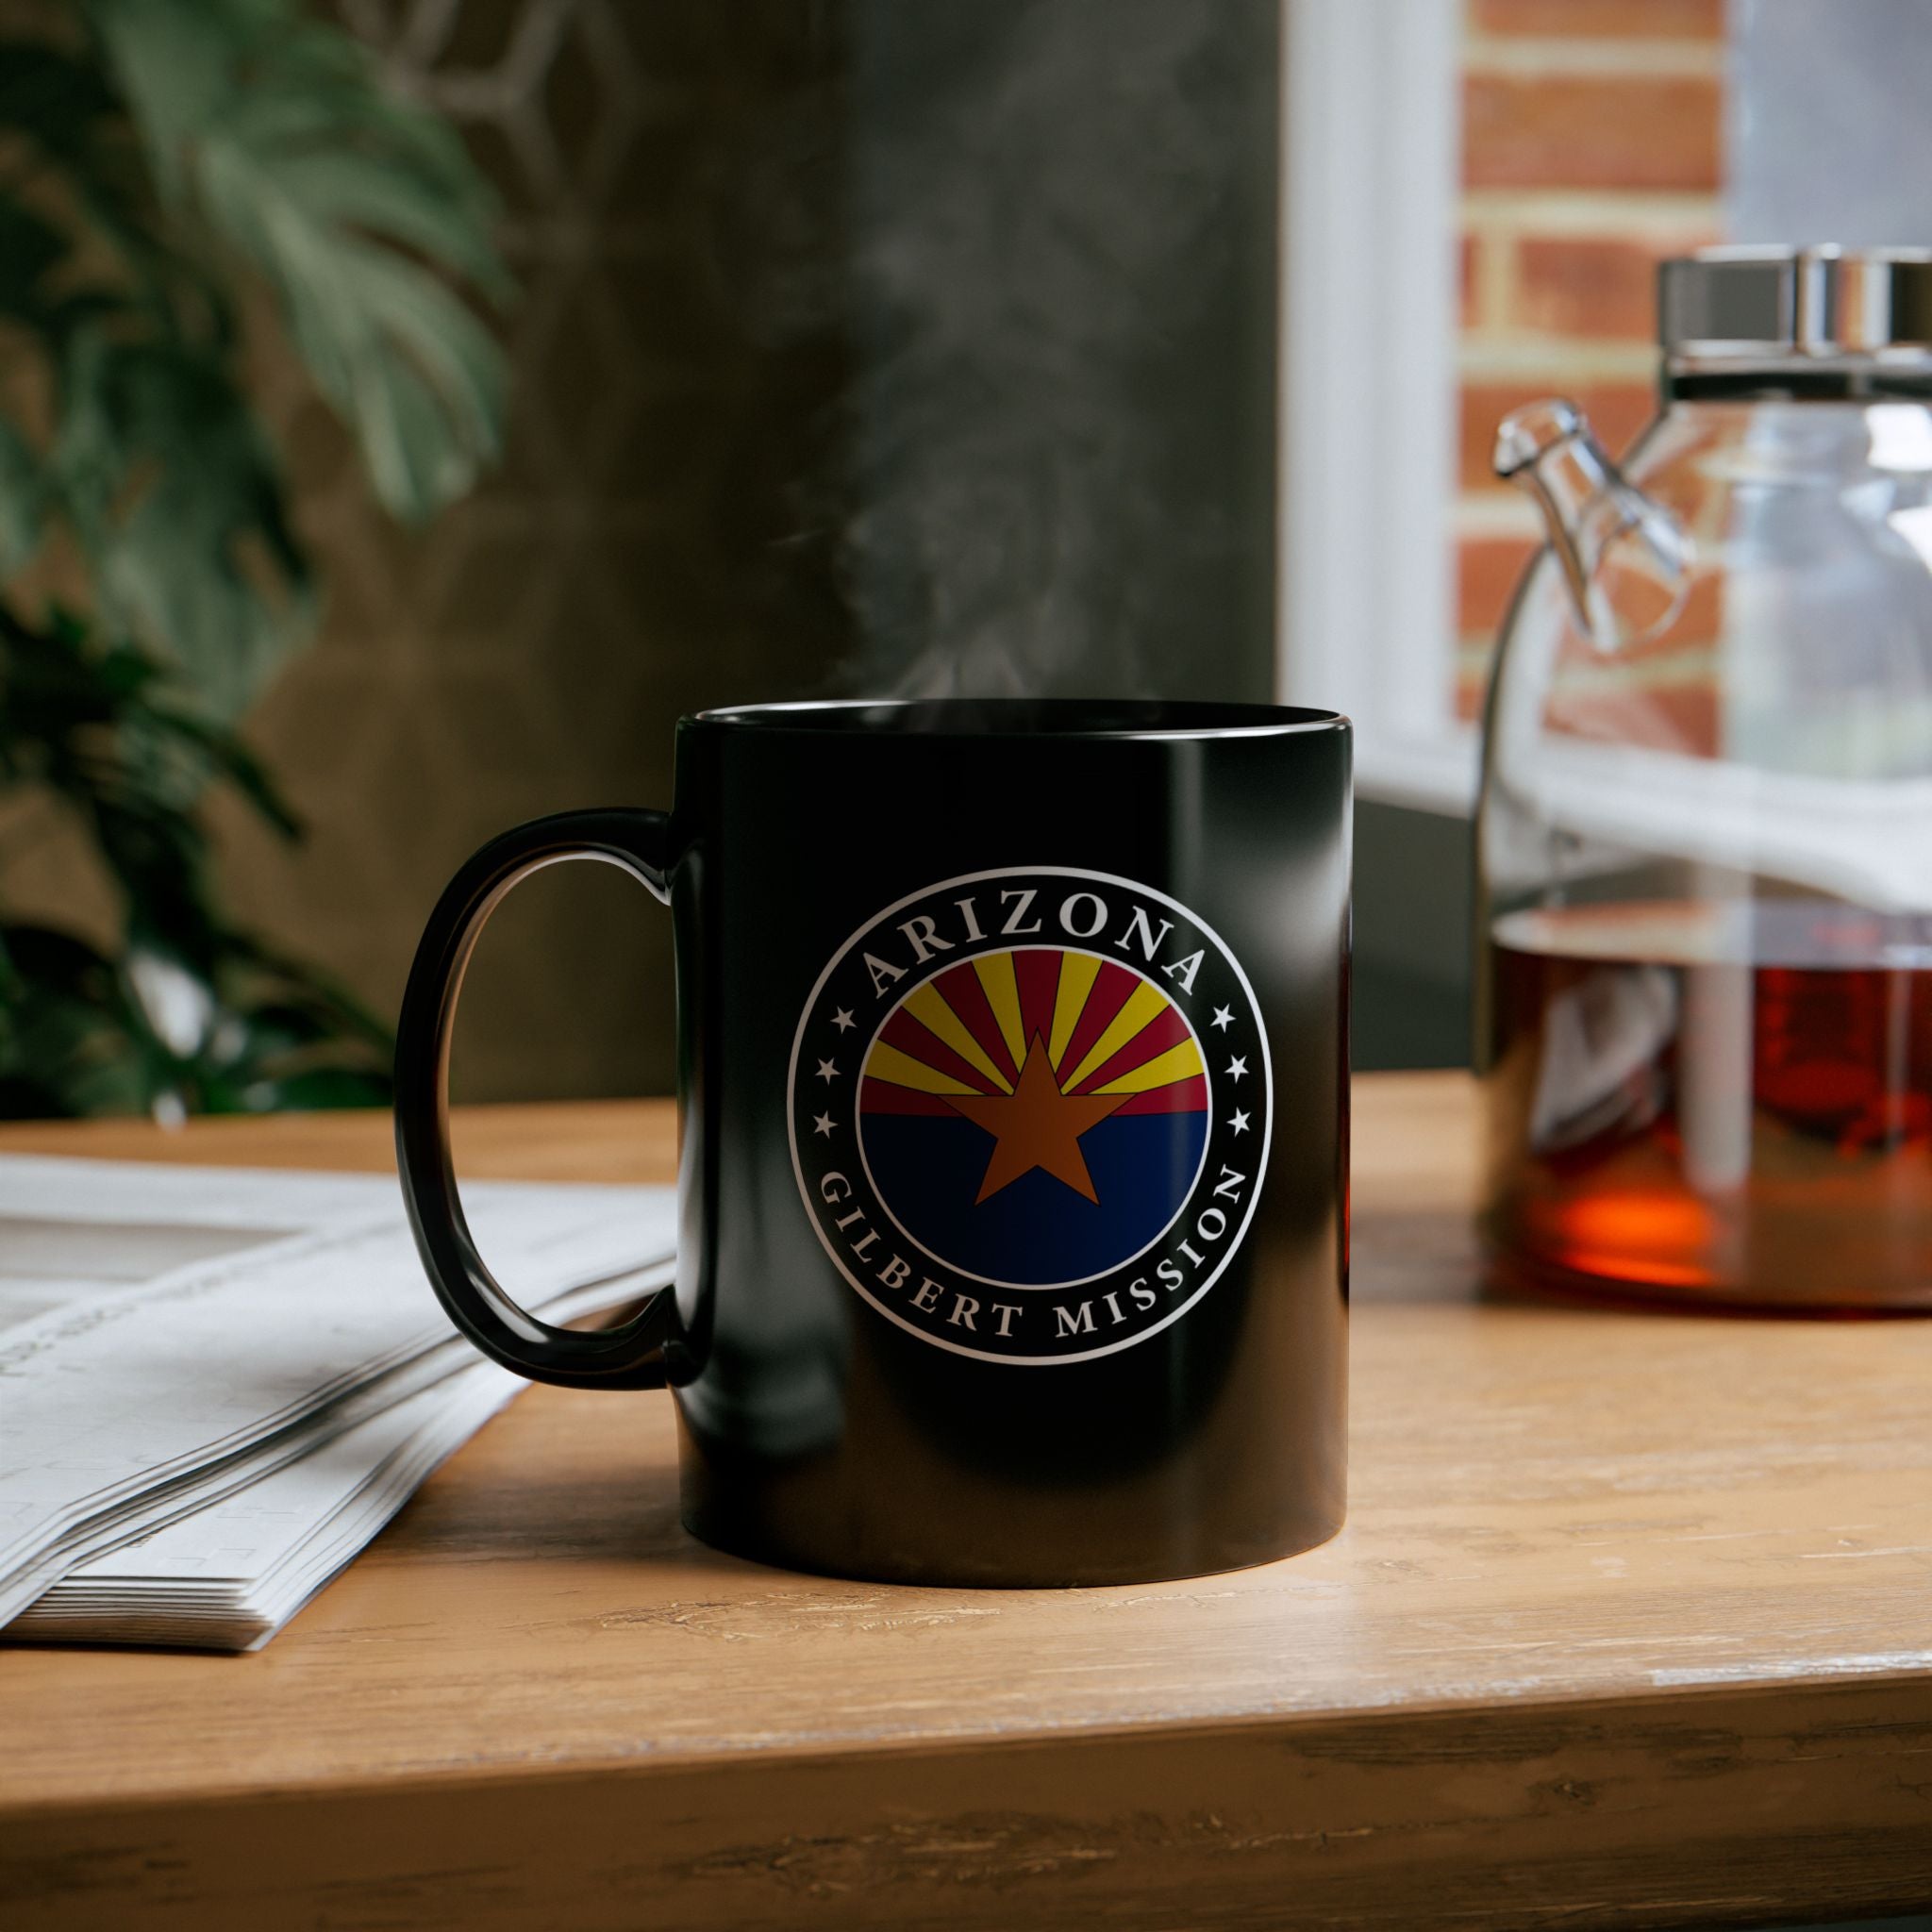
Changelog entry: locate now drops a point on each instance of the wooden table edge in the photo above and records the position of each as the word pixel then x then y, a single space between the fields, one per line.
pixel 1507 1816
pixel 1715 1799
pixel 1600 1713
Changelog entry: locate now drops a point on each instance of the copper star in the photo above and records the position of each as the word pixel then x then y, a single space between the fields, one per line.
pixel 1036 1125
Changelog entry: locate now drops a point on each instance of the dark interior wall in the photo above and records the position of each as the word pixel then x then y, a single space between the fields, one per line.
pixel 862 345
pixel 1412 890
pixel 1062 268
pixel 669 172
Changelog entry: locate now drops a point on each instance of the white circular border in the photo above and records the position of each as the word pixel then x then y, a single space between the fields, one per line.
pixel 1079 1280
pixel 974 878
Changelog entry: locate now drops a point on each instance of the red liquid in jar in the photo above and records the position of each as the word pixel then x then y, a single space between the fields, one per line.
pixel 1713 1104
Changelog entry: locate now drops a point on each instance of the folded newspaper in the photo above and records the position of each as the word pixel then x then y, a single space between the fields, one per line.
pixel 217 1385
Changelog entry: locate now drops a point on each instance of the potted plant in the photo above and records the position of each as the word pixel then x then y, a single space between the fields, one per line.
pixel 172 171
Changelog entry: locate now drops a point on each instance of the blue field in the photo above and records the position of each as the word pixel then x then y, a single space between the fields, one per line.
pixel 1038 1230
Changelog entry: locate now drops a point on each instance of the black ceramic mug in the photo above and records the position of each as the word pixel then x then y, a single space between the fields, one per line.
pixel 1014 1086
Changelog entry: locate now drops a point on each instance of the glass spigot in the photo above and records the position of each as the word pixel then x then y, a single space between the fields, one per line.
pixel 1626 558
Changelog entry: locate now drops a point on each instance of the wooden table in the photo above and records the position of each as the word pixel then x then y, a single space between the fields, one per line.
pixel 1631 1625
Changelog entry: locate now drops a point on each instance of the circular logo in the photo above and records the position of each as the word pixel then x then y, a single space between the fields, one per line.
pixel 1030 1112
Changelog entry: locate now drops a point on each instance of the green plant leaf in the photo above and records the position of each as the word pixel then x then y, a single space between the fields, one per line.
pixel 65 1047
pixel 52 96
pixel 157 150
pixel 313 1089
pixel 29 248
pixel 22 500
pixel 174 63
pixel 229 758
pixel 74 131
pixel 175 498
pixel 351 201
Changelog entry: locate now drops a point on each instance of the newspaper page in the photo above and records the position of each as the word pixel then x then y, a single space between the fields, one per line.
pixel 171 1334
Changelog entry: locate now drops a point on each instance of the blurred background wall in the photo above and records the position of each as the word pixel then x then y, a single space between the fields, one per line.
pixel 1830 137
pixel 644 551
pixel 862 346
pixel 898 345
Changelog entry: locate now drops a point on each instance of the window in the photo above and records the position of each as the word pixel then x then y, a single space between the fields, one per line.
pixel 1485 232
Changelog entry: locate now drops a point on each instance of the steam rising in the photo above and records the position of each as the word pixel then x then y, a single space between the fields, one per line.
pixel 1060 423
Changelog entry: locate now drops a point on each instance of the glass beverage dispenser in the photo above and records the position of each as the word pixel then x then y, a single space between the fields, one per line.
pixel 1705 838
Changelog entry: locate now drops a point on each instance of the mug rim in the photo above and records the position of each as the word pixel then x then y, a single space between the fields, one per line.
pixel 1025 718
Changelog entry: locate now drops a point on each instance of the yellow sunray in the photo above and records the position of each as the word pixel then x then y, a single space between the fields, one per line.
pixel 1077 970
pixel 1182 1062
pixel 1142 1005
pixel 995 971
pixel 928 1007
pixel 888 1063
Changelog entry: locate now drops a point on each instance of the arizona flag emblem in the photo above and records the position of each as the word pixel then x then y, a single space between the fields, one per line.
pixel 1030 1113
pixel 1034 1115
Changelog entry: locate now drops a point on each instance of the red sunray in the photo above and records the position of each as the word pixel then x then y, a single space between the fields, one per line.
pixel 1164 1030
pixel 1105 998
pixel 960 988
pixel 881 1096
pixel 1181 1096
pixel 1038 973
pixel 914 1038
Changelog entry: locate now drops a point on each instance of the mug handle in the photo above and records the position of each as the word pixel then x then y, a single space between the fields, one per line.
pixel 629 1357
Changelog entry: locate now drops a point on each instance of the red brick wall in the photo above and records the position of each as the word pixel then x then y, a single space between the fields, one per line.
pixel 1592 147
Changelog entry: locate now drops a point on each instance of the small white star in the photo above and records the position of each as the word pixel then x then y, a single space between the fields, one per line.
pixel 823 1124
pixel 843 1020
pixel 1240 1123
pixel 1237 1067
pixel 827 1071
pixel 1222 1018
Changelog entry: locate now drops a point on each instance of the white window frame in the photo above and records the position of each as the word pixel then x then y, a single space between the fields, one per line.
pixel 1370 309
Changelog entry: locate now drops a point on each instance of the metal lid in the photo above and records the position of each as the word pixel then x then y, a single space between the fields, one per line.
pixel 1755 304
